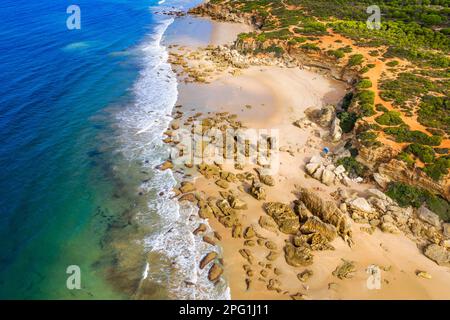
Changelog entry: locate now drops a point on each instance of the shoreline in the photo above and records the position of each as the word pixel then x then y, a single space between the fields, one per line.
pixel 284 102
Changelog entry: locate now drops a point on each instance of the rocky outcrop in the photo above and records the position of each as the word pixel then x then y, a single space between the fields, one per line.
pixel 446 230
pixel 284 216
pixel 298 256
pixel 438 254
pixel 323 116
pixel 315 225
pixel 325 171
pixel 336 130
pixel 345 270
pixel 428 216
pixel 327 211
pixel 372 157
pixel 268 223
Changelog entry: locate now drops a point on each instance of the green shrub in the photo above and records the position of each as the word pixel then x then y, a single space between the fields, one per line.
pixel 348 120
pixel 366 110
pixel 392 63
pixel 424 153
pixel 310 47
pixel 438 169
pixel 366 96
pixel 435 112
pixel 347 100
pixel 405 88
pixel 403 156
pixel 364 84
pixel 390 118
pixel 442 150
pixel 355 60
pixel 338 54
pixel 403 134
pixel 368 138
pixel 346 49
pixel 353 167
pixel 364 69
pixel 381 108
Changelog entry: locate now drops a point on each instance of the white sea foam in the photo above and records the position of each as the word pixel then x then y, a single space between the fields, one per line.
pixel 142 125
pixel 77 46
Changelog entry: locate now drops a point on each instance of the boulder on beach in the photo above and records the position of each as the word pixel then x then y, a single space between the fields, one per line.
pixel 166 165
pixel 207 259
pixel 257 191
pixel 315 225
pixel 429 216
pixel 438 254
pixel 222 183
pixel 284 216
pixel 187 187
pixel 345 270
pixel 297 256
pixel 327 211
pixel 268 223
pixel 215 272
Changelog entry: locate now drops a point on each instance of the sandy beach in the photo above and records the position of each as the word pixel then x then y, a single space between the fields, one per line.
pixel 273 98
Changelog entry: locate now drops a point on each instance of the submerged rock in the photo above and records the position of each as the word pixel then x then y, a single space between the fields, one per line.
pixel 166 165
pixel 186 187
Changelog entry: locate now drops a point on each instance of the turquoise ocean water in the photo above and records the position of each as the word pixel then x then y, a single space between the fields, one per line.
pixel 81 117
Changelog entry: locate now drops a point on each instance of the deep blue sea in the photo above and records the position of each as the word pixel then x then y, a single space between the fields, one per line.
pixel 81 116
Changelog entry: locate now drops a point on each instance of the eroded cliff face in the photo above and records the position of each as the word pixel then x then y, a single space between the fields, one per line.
pixel 398 171
pixel 321 63
pixel 224 13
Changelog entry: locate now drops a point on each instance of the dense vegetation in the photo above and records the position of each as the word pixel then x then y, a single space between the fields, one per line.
pixel 403 134
pixel 406 195
pixel 435 112
pixel 353 167
pixel 390 118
